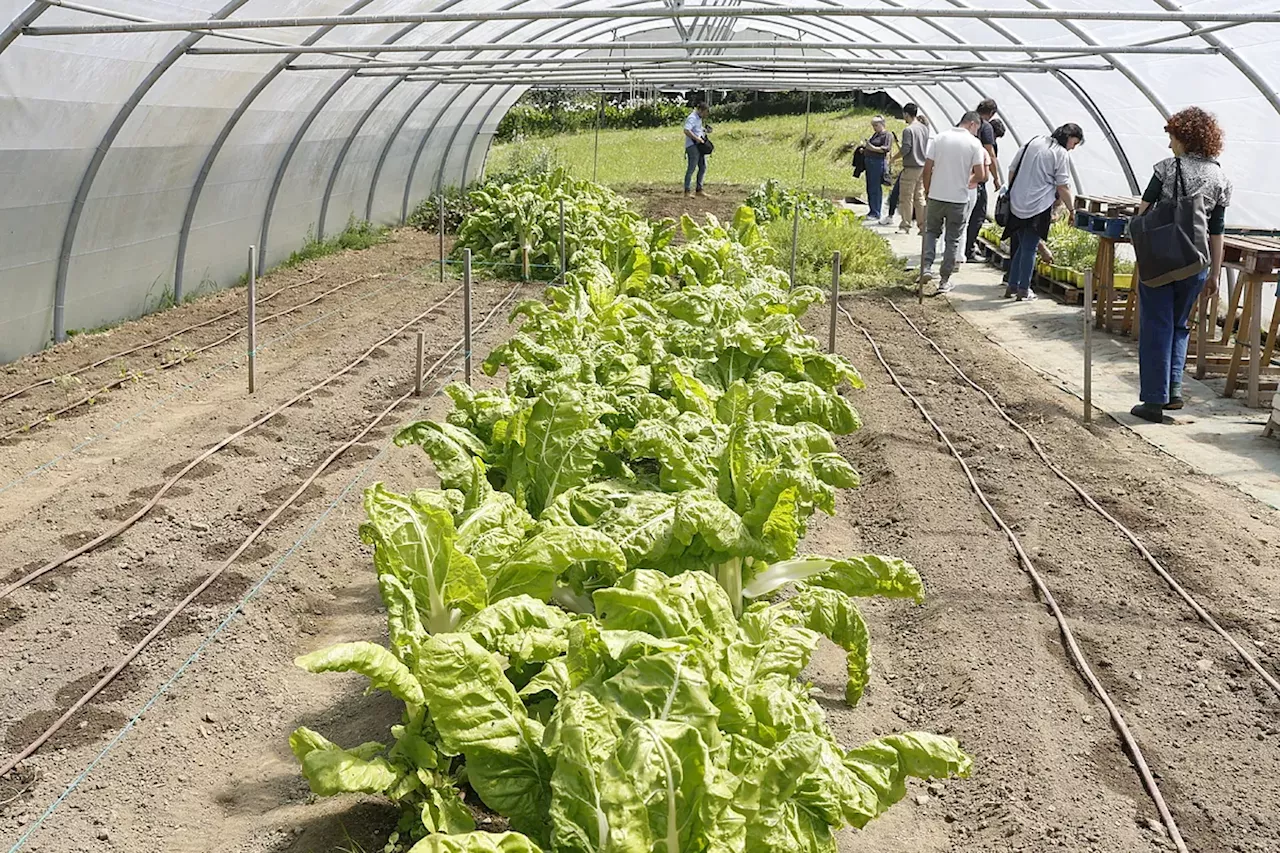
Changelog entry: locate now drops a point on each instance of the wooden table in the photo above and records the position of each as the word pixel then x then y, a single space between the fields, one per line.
pixel 1110 314
pixel 1256 258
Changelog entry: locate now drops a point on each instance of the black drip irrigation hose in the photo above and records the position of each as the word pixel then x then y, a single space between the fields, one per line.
pixel 1129 742
pixel 1088 500
pixel 159 627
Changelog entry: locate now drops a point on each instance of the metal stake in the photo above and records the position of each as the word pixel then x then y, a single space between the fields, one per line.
pixel 924 236
pixel 595 168
pixel 442 236
pixel 466 315
pixel 564 262
pixel 804 153
pixel 835 299
pixel 1088 347
pixel 417 373
pixel 253 317
pixel 795 238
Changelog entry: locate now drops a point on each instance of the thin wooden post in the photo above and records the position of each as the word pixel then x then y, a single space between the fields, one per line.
pixel 253 318
pixel 417 373
pixel 564 262
pixel 442 236
pixel 835 300
pixel 466 315
pixel 1088 347
pixel 1202 335
pixel 795 238
pixel 804 142
pixel 924 237
pixel 595 168
pixel 1254 397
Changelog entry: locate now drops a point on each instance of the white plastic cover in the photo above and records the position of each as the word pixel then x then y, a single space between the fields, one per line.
pixel 111 143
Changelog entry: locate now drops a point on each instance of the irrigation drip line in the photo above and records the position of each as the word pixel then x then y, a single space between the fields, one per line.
pixel 238 607
pixel 1069 640
pixel 50 380
pixel 136 375
pixel 1088 500
pixel 186 469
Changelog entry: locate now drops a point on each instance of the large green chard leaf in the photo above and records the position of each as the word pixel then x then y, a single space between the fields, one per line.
pixel 556 448
pixel 532 569
pixel 834 615
pixel 476 842
pixel 862 576
pixel 688 605
pixel 883 765
pixel 413 538
pixel 522 629
pixel 479 715
pixel 381 667
pixel 451 448
pixel 331 770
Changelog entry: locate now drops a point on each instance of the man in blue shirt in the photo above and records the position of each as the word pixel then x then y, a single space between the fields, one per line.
pixel 695 132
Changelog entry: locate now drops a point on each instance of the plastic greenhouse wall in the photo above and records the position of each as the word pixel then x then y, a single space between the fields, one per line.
pixel 130 163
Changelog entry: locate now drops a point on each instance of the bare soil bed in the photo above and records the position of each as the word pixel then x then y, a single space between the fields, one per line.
pixel 206 765
pixel 661 202
pixel 983 660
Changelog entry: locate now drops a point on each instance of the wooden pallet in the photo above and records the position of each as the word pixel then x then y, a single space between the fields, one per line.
pixel 1066 293
pixel 1252 252
pixel 994 254
pixel 1112 206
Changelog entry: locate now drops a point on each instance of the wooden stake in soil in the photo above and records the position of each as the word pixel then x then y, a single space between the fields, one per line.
pixel 253 316
pixel 924 236
pixel 417 370
pixel 835 299
pixel 795 238
pixel 564 262
pixel 1088 347
pixel 466 315
pixel 804 141
pixel 442 236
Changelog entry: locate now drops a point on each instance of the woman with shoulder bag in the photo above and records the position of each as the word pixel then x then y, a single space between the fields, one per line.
pixel 1177 235
pixel 1038 183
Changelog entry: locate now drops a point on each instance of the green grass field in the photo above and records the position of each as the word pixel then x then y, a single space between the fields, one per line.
pixel 746 153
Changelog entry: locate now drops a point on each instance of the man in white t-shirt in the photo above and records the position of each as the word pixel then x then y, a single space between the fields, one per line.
pixel 954 162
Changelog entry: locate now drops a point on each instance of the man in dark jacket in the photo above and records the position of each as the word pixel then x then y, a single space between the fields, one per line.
pixel 987 136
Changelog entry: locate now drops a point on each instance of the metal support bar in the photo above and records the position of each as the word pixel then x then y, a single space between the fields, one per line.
pixel 253 317
pixel 896 62
pixel 417 371
pixel 835 301
pixel 804 142
pixel 442 236
pixel 1088 346
pixel 657 14
pixel 466 315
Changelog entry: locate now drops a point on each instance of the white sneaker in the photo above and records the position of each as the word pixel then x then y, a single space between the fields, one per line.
pixel 945 286
pixel 1030 297
pixel 886 220
pixel 924 277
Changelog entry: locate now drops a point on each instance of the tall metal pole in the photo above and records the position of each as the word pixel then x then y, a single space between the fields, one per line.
pixel 924 237
pixel 564 262
pixel 795 238
pixel 417 372
pixel 804 154
pixel 441 236
pixel 466 315
pixel 595 169
pixel 1088 346
pixel 253 317
pixel 835 300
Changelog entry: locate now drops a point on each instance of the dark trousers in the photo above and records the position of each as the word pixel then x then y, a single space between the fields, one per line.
pixel 1162 336
pixel 893 196
pixel 875 186
pixel 697 161
pixel 976 219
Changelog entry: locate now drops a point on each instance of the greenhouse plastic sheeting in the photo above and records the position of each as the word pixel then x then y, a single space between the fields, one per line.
pixel 134 167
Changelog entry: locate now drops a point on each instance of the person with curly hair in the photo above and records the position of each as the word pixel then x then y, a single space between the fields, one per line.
pixel 1196 140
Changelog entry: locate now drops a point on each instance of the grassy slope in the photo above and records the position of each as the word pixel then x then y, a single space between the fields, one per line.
pixel 746 152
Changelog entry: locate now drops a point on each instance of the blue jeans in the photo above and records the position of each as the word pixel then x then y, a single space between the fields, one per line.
pixel 1023 264
pixel 875 185
pixel 697 162
pixel 1162 336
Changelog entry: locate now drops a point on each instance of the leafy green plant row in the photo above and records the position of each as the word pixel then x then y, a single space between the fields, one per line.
pixel 581 620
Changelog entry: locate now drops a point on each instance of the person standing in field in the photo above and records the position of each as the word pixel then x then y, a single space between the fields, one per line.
pixel 1196 140
pixel 876 151
pixel 955 159
pixel 1038 182
pixel 978 215
pixel 695 135
pixel 914 149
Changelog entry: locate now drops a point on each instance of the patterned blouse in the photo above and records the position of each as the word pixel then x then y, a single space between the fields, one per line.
pixel 1200 176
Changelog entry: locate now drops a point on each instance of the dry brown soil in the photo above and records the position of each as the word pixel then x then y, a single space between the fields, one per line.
pixel 207 766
